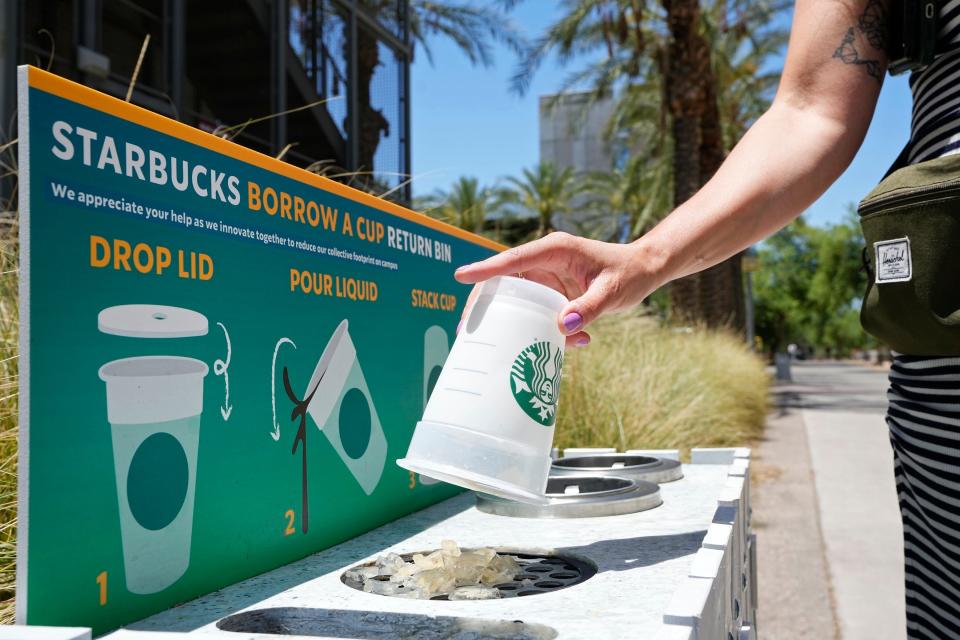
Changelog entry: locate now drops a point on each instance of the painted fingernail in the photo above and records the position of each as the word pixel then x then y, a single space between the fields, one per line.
pixel 464 267
pixel 572 321
pixel 583 341
pixel 459 325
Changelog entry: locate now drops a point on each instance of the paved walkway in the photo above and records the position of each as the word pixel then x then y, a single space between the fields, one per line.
pixel 826 468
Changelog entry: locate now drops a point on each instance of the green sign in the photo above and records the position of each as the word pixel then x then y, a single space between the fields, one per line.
pixel 222 356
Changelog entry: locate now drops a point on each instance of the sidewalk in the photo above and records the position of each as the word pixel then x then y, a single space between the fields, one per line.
pixel 830 544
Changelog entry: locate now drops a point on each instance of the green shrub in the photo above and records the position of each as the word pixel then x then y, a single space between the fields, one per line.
pixel 642 386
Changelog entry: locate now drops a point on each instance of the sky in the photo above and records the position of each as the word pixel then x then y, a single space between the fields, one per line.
pixel 466 121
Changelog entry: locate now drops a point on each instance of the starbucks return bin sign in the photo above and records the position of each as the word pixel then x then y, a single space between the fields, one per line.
pixel 222 356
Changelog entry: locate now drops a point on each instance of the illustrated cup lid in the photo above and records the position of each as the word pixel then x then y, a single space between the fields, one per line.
pixel 151 321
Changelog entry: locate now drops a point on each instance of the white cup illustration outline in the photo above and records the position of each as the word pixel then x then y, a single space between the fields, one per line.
pixel 147 396
pixel 436 348
pixel 338 371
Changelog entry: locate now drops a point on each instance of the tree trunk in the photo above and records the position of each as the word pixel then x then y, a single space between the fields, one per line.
pixel 685 102
pixel 546 225
pixel 722 284
pixel 713 296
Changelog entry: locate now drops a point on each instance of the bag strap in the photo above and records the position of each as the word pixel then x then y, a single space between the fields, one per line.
pixel 902 160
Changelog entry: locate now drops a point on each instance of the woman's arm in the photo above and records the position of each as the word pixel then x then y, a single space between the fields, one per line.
pixel 789 157
pixel 828 91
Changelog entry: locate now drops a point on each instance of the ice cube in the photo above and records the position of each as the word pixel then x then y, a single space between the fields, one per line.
pixel 526 582
pixel 450 554
pixel 474 592
pixel 360 574
pixel 404 572
pixel 432 561
pixel 471 564
pixel 501 569
pixel 450 548
pixel 389 564
pixel 433 582
pixel 385 588
pixel 480 557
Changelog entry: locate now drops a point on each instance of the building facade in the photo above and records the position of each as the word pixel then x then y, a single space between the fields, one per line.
pixel 573 132
pixel 336 72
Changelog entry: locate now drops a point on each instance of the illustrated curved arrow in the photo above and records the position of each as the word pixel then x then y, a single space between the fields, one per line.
pixel 275 434
pixel 220 368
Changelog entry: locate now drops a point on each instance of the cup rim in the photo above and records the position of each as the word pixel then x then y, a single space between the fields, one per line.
pixel 525 290
pixel 177 366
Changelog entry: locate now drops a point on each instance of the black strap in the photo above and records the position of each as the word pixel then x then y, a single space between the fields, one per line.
pixel 902 160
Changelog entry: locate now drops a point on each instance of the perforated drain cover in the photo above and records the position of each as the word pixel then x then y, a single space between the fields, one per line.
pixel 621 465
pixel 539 573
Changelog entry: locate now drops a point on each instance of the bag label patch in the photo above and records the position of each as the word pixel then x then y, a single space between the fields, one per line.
pixel 893 263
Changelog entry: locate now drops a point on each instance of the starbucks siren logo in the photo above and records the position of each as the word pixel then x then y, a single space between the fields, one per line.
pixel 535 381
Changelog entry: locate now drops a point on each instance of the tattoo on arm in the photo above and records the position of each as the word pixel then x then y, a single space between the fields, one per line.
pixel 848 54
pixel 871 26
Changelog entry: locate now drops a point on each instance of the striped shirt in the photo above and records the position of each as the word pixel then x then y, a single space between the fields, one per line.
pixel 924 395
pixel 935 124
pixel 924 421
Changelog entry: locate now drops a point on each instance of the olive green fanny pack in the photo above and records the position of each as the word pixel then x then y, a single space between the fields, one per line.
pixel 911 222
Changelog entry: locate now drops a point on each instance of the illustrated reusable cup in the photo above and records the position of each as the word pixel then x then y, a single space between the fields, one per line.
pixel 436 348
pixel 343 410
pixel 488 425
pixel 153 406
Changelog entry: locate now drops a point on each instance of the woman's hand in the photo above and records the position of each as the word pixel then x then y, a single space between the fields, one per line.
pixel 597 277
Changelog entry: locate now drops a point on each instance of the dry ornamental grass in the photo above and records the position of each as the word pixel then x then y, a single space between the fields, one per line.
pixel 8 422
pixel 642 386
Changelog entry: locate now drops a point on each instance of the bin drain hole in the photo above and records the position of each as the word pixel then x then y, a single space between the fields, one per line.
pixel 538 574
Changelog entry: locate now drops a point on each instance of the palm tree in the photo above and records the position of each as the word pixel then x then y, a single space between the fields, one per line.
pixel 466 205
pixel 637 194
pixel 686 86
pixel 545 191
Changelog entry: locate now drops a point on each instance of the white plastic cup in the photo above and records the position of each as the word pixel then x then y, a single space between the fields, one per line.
pixel 154 405
pixel 488 425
